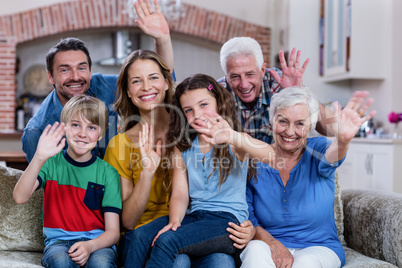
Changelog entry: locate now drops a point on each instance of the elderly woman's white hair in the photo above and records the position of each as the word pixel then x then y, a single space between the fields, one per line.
pixel 288 97
pixel 241 46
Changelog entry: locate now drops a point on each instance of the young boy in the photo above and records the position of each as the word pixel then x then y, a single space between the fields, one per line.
pixel 82 199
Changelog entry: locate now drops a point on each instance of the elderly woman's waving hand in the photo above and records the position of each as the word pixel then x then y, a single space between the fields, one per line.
pixel 349 121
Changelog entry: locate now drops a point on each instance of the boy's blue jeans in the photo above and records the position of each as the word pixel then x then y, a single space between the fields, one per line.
pixel 206 226
pixel 55 255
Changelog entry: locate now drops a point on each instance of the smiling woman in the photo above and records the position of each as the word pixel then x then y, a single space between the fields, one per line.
pixel 145 87
pixel 294 117
pixel 299 185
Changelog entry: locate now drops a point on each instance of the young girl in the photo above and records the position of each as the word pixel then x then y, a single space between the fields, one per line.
pixel 210 163
pixel 145 89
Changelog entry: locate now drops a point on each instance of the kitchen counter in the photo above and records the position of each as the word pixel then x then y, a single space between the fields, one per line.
pixel 14 159
pixel 10 141
pixel 377 140
pixel 11 134
pixel 11 149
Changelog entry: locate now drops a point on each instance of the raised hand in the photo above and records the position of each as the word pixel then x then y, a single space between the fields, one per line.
pixel 51 142
pixel 352 116
pixel 150 22
pixel 292 75
pixel 150 158
pixel 215 130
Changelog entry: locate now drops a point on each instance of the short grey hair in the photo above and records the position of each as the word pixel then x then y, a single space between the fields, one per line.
pixel 241 46
pixel 288 97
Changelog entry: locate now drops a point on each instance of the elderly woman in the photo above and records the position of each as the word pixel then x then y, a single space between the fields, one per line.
pixel 292 203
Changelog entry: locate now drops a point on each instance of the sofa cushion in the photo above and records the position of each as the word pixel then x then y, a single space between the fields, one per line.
pixel 338 210
pixel 20 225
pixel 355 259
pixel 20 259
pixel 373 223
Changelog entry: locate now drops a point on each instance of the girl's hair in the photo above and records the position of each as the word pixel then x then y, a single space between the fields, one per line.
pixel 128 112
pixel 288 97
pixel 241 46
pixel 93 109
pixel 181 134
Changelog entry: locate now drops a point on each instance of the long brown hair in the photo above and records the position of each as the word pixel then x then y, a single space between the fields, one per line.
pixel 181 134
pixel 128 112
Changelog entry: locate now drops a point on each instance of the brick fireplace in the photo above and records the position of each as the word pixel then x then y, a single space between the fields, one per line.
pixel 94 14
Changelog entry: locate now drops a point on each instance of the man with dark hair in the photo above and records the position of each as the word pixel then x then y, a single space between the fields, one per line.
pixel 69 68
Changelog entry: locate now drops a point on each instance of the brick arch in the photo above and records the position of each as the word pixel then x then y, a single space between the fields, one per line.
pixel 95 14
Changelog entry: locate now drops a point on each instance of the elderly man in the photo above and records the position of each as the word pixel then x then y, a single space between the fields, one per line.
pixel 69 69
pixel 253 85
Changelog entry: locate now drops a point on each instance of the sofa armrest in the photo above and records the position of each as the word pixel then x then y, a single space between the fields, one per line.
pixel 373 224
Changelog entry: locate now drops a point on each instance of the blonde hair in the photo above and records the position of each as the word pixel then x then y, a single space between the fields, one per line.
pixel 93 109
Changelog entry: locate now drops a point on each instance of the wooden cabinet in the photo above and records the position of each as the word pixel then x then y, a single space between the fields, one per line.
pixel 352 40
pixel 372 164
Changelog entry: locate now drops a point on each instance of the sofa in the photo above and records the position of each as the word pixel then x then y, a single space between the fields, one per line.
pixel 21 240
pixel 369 226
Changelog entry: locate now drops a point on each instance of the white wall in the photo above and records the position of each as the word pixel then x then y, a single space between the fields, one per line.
pixel 397 56
pixel 385 92
pixel 304 34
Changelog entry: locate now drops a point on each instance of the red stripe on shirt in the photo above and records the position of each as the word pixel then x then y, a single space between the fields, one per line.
pixel 63 207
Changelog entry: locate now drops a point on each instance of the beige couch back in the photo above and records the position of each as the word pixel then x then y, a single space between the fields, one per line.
pixel 20 225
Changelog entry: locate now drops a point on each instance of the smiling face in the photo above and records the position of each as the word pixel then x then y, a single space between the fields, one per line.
pixel 71 74
pixel 197 104
pixel 146 85
pixel 291 127
pixel 82 136
pixel 245 78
